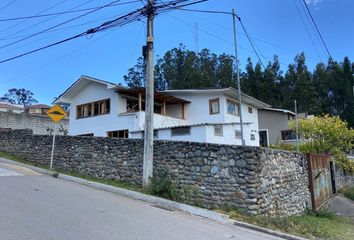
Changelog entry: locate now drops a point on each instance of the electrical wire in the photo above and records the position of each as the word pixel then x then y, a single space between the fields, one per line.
pixel 16 24
pixel 62 13
pixel 318 31
pixel 308 32
pixel 255 38
pixel 64 29
pixel 7 5
pixel 253 45
pixel 250 40
pixel 58 59
pixel 117 22
pixel 57 25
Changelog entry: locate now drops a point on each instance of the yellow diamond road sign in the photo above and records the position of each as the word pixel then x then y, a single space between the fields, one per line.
pixel 56 113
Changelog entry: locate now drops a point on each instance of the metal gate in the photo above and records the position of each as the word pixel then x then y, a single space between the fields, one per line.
pixel 320 178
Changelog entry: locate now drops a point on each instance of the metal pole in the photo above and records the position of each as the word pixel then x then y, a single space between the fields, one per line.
pixel 238 76
pixel 53 145
pixel 149 101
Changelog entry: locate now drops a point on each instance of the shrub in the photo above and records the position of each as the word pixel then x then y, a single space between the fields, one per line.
pixel 163 186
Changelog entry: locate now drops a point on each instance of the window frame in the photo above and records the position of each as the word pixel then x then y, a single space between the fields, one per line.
pixel 221 129
pixel 210 109
pixel 110 134
pixel 180 134
pixel 233 102
pixel 238 132
pixel 91 108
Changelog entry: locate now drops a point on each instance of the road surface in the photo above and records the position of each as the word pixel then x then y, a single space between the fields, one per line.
pixel 37 207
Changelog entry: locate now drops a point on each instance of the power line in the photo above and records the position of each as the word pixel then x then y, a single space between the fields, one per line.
pixel 318 31
pixel 307 30
pixel 16 24
pixel 214 35
pixel 62 13
pixel 243 27
pixel 105 17
pixel 64 29
pixel 57 25
pixel 250 40
pixel 229 29
pixel 58 59
pixel 117 22
pixel 7 5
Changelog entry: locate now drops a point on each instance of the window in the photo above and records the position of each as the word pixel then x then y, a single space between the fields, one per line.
pixel 232 107
pixel 118 134
pixel 237 134
pixel 177 131
pixel 156 133
pixel 250 110
pixel 86 135
pixel 93 109
pixel 10 110
pixel 288 135
pixel 218 130
pixel 133 106
pixel 214 106
pixel 253 137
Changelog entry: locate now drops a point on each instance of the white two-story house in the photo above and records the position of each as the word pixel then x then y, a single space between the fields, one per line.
pixel 101 108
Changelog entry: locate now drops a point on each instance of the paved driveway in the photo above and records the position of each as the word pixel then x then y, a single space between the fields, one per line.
pixel 39 207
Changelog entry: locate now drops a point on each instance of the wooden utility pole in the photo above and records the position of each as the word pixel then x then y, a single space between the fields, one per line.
pixel 149 101
pixel 238 77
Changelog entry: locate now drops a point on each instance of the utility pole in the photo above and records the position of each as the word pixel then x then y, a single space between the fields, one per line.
pixel 296 126
pixel 238 77
pixel 149 96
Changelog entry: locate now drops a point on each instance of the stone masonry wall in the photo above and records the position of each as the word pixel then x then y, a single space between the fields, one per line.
pixel 37 123
pixel 343 179
pixel 254 179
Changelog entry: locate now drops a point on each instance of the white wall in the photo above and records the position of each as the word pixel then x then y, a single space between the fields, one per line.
pixel 98 125
pixel 198 110
pixel 117 119
pixel 11 110
pixel 198 134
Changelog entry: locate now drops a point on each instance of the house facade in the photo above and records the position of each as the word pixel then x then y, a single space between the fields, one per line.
pixel 40 109
pixel 101 108
pixel 274 127
pixel 12 108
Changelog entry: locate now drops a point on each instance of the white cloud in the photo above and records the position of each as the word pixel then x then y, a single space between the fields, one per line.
pixel 313 2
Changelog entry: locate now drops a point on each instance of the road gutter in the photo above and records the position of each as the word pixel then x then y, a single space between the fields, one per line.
pixel 161 202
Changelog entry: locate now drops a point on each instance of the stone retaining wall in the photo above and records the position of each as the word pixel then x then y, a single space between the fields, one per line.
pixel 254 179
pixel 343 179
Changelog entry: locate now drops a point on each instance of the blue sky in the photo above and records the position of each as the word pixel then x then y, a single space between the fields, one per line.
pixel 275 26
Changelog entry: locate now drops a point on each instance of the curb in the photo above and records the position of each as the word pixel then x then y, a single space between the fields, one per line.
pixel 160 202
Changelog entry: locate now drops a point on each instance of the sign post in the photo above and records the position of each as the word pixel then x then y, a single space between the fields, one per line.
pixel 56 113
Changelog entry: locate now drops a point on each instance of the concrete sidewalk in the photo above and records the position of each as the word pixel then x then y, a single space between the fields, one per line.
pixel 341 206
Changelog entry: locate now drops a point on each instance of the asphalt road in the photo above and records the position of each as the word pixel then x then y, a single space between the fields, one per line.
pixel 38 207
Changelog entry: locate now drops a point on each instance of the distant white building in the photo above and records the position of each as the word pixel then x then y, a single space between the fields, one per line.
pixel 8 107
pixel 101 108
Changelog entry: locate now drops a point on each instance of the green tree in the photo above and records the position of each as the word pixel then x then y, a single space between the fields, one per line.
pixel 298 85
pixel 19 96
pixel 327 134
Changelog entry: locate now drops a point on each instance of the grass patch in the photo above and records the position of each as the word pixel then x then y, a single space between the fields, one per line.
pixel 348 192
pixel 320 224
